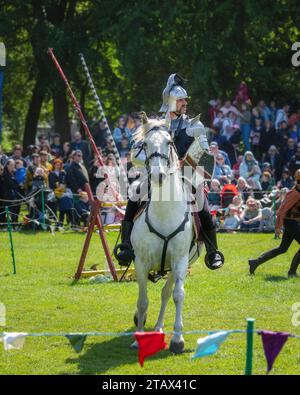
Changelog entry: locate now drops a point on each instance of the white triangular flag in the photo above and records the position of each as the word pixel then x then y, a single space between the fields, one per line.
pixel 14 340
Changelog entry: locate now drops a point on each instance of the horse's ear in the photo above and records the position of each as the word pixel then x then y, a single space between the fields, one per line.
pixel 144 117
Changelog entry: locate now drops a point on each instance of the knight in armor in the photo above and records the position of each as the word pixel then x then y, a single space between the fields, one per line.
pixel 183 131
pixel 288 216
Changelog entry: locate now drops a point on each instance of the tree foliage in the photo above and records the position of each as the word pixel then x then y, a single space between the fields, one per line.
pixel 132 46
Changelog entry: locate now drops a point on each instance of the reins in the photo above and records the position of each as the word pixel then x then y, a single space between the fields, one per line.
pixel 166 239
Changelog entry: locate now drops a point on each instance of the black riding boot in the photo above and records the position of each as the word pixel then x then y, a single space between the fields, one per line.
pixel 214 259
pixel 124 252
pixel 294 265
pixel 254 263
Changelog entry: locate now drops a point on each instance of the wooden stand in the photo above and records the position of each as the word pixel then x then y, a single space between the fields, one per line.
pixel 95 219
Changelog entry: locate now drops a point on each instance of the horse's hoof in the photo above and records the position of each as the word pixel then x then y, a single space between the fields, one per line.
pixel 177 347
pixel 134 345
pixel 135 319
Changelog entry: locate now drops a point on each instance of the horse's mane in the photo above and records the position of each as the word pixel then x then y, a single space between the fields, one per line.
pixel 145 128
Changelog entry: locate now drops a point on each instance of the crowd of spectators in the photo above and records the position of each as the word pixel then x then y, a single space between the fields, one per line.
pixel 61 170
pixel 257 152
pixel 256 149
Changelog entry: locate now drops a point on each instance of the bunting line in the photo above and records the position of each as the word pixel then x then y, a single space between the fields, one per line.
pixel 121 334
pixel 150 343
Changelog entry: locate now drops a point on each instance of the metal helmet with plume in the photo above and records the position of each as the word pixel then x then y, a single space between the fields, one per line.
pixel 173 91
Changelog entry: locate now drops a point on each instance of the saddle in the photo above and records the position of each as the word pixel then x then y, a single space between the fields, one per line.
pixel 196 222
pixel 196 240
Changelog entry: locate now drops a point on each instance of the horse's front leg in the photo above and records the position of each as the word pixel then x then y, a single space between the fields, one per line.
pixel 142 303
pixel 179 272
pixel 165 296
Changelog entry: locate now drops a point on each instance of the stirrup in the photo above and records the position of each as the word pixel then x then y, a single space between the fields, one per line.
pixel 209 255
pixel 124 248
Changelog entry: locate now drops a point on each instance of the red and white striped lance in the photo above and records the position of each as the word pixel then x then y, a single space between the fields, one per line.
pixel 81 116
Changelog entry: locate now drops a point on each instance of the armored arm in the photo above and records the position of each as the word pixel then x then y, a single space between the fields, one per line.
pixel 196 128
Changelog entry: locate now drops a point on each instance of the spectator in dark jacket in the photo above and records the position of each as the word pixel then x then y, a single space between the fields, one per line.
pixel 77 175
pixel 57 182
pixel 17 154
pixel 289 151
pixel 2 204
pixel 274 158
pixel 66 152
pixel 3 157
pixel 282 136
pixel 100 133
pixel 11 189
pixel 83 146
pixel 295 161
pixel 267 138
pixel 286 180
pixel 57 177
pixel 255 137
pixel 56 147
pixel 93 170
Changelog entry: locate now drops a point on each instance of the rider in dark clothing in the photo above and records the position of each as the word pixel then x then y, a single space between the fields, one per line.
pixel 288 216
pixel 183 131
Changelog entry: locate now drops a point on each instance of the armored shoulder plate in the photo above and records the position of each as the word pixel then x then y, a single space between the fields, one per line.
pixel 196 128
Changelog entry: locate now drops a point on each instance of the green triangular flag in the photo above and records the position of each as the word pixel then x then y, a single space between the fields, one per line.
pixel 77 341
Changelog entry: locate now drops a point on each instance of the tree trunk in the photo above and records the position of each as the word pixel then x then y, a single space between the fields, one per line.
pixel 33 113
pixel 61 115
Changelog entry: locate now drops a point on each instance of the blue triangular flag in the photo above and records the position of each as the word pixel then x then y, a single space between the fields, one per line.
pixel 210 344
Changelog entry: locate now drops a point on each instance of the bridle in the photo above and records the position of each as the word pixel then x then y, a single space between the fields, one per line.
pixel 158 154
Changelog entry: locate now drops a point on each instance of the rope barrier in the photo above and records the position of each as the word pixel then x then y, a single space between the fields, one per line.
pixel 125 334
pixel 95 196
pixel 23 199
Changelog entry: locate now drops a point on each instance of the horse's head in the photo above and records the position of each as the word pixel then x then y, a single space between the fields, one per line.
pixel 158 145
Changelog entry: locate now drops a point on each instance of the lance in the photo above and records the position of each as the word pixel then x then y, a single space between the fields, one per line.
pixel 81 116
pixel 97 153
pixel 103 118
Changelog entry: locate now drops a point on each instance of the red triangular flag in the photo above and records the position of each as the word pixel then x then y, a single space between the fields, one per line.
pixel 273 343
pixel 149 344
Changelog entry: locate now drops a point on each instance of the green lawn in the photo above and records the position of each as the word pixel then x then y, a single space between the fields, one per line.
pixel 41 298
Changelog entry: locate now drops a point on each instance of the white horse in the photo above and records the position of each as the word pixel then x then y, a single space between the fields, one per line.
pixel 164 216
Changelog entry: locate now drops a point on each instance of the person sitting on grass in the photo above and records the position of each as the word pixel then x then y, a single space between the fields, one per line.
pixel 286 180
pixel 251 216
pixel 237 201
pixel 221 169
pixel 232 219
pixel 214 195
pixel 267 224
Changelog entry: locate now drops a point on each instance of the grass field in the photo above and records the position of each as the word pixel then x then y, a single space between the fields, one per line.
pixel 41 298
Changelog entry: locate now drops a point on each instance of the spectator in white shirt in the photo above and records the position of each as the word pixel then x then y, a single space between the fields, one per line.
pixel 229 107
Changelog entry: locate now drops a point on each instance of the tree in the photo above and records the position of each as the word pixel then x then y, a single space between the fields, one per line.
pixel 132 46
